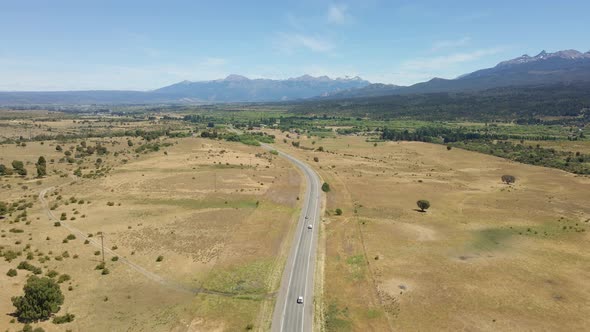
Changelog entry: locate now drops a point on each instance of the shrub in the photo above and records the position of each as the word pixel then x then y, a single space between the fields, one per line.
pixel 423 205
pixel 11 273
pixel 338 212
pixel 115 258
pixel 96 253
pixel 57 224
pixel 24 265
pixel 105 271
pixel 19 167
pixel 3 208
pixel 316 159
pixel 52 274
pixel 110 203
pixel 67 318
pixel 71 237
pixel 9 255
pixel 325 187
pixel 63 278
pixel 508 179
pixel 42 298
pixel 160 258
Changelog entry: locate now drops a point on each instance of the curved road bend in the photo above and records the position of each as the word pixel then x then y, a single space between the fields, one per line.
pixel 299 270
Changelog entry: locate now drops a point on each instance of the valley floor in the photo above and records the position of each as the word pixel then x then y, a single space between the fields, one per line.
pixel 485 256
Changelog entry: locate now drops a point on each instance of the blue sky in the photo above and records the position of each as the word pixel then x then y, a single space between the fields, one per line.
pixel 142 45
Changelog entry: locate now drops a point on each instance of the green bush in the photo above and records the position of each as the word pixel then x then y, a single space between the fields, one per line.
pixel 24 265
pixel 42 298
pixel 325 187
pixel 10 255
pixel 67 318
pixel 160 258
pixel 11 273
pixel 338 212
pixel 423 205
pixel 63 278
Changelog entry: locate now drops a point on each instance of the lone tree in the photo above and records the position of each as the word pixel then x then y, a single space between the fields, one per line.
pixel 325 187
pixel 42 298
pixel 423 205
pixel 508 179
pixel 41 167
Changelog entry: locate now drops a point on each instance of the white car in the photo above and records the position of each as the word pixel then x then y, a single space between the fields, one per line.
pixel 300 299
pixel 310 226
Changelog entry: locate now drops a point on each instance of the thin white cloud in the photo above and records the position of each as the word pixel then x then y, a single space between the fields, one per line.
pixel 441 62
pixel 338 14
pixel 444 44
pixel 290 42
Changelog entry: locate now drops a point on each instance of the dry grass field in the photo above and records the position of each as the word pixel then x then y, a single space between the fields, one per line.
pixel 485 257
pixel 195 234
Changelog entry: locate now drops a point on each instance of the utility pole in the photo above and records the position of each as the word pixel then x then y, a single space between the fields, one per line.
pixel 102 245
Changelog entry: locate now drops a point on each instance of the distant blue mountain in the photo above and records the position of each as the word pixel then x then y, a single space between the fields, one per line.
pixel 239 88
pixel 234 88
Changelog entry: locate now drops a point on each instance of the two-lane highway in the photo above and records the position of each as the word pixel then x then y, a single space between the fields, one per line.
pixel 298 276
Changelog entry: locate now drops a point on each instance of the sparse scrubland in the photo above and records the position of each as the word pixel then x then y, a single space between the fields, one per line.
pixel 418 233
pixel 501 246
pixel 195 230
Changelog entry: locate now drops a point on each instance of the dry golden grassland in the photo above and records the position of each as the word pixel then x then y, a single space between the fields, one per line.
pixel 486 255
pixel 219 214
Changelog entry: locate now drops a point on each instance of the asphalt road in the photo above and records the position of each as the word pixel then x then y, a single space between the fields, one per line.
pixel 300 267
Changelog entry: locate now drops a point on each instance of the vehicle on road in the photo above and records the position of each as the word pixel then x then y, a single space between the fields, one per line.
pixel 310 226
pixel 300 299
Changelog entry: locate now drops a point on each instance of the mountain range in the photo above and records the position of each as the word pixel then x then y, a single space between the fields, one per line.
pixel 565 67
pixel 239 88
pixel 568 66
pixel 233 88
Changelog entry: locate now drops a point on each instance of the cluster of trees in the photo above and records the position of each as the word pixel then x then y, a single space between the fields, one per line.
pixel 574 162
pixel 18 167
pixel 250 138
pixel 497 145
pixel 508 104
pixel 436 134
pixel 148 135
